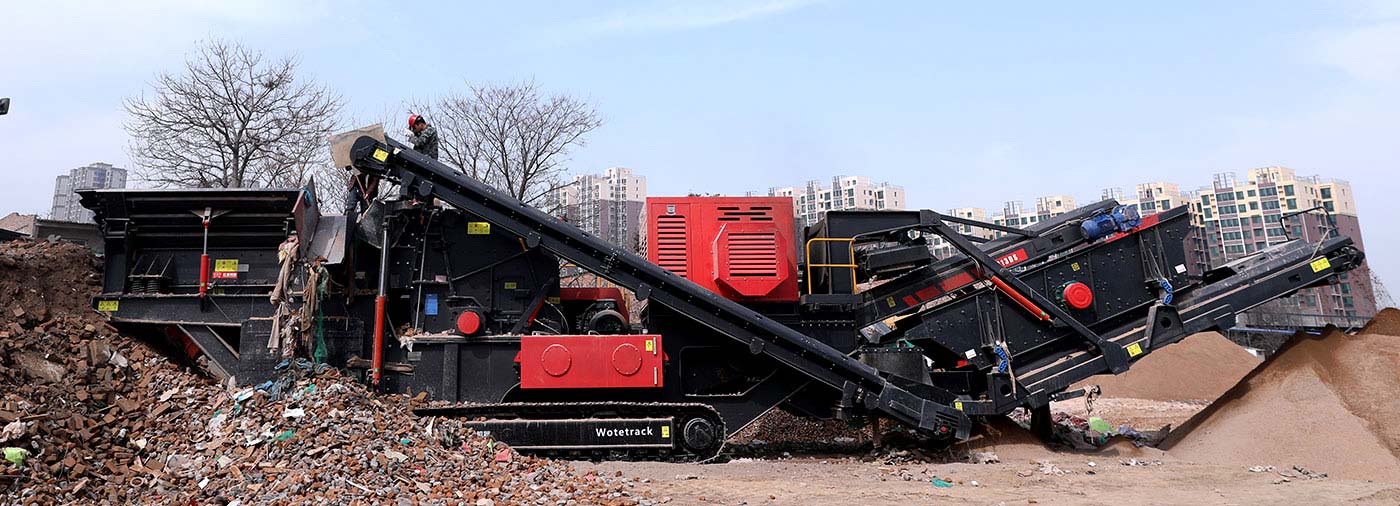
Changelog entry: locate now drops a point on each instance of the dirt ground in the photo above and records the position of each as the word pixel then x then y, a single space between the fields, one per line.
pixel 816 481
pixel 1268 441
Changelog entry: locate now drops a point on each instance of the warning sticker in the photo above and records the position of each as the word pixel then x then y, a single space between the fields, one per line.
pixel 478 228
pixel 225 275
pixel 1320 264
pixel 108 306
pixel 226 265
pixel 1134 350
pixel 666 431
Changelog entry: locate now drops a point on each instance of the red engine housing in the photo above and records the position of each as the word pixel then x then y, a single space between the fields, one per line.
pixel 739 247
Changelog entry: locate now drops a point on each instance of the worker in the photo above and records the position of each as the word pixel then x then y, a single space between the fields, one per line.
pixel 425 137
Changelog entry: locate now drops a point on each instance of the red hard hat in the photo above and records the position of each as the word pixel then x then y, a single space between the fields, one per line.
pixel 414 119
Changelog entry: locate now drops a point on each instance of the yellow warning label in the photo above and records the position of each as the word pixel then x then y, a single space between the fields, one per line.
pixel 108 306
pixel 552 300
pixel 1134 350
pixel 957 405
pixel 226 265
pixel 889 301
pixel 381 155
pixel 1320 264
pixel 1074 266
pixel 666 432
pixel 478 228
pixel 651 345
pixel 510 285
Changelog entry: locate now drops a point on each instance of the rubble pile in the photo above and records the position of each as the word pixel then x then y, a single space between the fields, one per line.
pixel 779 431
pixel 91 416
pixel 1325 402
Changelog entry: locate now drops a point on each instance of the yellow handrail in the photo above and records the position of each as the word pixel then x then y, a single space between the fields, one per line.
pixel 850 242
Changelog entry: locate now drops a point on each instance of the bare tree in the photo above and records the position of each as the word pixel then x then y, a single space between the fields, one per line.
pixel 512 136
pixel 231 118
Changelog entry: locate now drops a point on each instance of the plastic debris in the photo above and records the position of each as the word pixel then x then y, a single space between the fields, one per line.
pixel 1097 424
pixel 15 455
pixel 938 482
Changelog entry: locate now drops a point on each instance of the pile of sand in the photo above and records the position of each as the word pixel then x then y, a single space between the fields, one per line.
pixel 1325 402
pixel 1009 441
pixel 1200 367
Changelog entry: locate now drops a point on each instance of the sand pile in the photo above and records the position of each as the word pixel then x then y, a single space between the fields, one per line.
pixel 1200 367
pixel 1008 440
pixel 1386 322
pixel 1325 402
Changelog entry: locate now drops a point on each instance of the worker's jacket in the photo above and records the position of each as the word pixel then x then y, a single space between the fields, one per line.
pixel 426 142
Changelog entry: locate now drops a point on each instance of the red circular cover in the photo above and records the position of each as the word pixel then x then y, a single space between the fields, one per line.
pixel 627 359
pixel 1078 295
pixel 556 359
pixel 468 322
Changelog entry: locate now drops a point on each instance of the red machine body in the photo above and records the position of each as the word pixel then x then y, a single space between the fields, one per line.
pixel 590 361
pixel 739 247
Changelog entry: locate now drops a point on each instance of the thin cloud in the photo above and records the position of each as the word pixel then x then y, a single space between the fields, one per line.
pixel 1369 49
pixel 678 16
pixel 1368 53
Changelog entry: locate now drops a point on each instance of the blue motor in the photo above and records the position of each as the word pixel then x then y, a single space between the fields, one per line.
pixel 1105 223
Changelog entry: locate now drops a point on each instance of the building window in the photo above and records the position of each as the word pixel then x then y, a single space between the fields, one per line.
pixel 1292 204
pixel 1288 190
pixel 1239 195
pixel 1253 206
pixel 1326 193
pixel 1207 212
pixel 1251 193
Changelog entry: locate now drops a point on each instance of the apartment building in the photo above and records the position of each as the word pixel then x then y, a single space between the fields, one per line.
pixel 610 205
pixel 1273 204
pixel 66 205
pixel 845 193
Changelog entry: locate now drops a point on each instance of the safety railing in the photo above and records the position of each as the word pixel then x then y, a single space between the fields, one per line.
pixel 851 254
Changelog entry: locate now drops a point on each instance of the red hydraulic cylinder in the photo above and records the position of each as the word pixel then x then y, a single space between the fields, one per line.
pixel 1020 299
pixel 377 359
pixel 204 260
pixel 203 274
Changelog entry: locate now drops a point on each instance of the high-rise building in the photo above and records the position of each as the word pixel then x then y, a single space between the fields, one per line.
pixel 1273 205
pixel 1014 214
pixel 847 193
pixel 610 205
pixel 65 202
pixel 942 248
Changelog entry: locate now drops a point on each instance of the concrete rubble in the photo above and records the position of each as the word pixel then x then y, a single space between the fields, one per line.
pixel 91 416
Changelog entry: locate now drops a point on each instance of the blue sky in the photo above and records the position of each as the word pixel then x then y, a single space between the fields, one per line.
pixel 965 104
